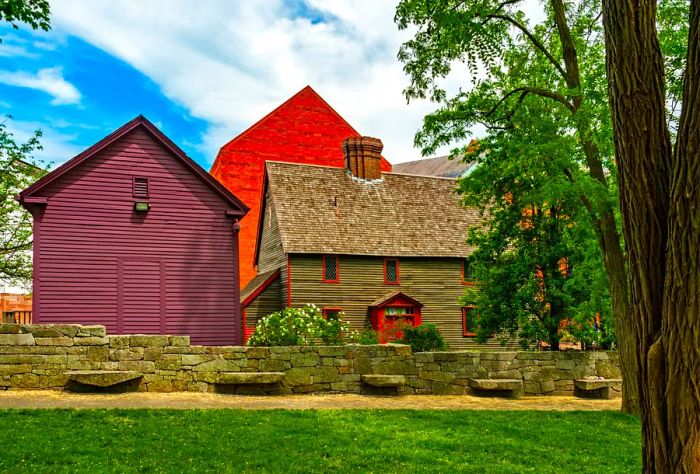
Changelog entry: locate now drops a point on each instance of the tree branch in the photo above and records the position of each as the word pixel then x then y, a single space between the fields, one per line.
pixel 532 39
pixel 524 91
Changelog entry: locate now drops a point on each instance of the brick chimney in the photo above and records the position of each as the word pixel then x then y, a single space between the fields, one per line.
pixel 363 157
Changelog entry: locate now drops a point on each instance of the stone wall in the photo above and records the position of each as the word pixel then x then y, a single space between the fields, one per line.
pixel 38 357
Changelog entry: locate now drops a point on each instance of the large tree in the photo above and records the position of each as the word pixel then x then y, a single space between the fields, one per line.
pixel 558 62
pixel 659 178
pixel 17 171
pixel 536 259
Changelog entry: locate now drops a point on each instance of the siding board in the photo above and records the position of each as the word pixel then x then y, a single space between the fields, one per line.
pixel 177 259
pixel 435 282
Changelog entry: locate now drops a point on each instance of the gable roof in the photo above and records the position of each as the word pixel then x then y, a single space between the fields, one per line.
pixel 324 210
pixel 257 285
pixel 302 108
pixel 441 166
pixel 393 296
pixel 138 122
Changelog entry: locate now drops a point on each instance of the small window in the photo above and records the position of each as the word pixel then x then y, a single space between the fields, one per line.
pixel 391 271
pixel 467 272
pixel 330 269
pixel 332 314
pixel 140 187
pixel 469 325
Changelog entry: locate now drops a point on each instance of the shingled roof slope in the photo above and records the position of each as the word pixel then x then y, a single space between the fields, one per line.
pixel 324 210
pixel 438 166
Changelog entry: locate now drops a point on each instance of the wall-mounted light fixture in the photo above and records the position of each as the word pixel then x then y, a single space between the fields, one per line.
pixel 141 206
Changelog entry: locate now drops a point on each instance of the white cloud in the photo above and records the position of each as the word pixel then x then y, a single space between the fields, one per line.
pixel 48 80
pixel 57 147
pixel 230 63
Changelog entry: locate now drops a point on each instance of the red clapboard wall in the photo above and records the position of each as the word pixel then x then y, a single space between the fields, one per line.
pixel 304 129
pixel 97 260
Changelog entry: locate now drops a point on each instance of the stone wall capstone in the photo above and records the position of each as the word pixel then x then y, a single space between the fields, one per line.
pixel 42 356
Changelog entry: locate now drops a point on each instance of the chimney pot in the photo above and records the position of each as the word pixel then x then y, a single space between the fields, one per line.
pixel 363 157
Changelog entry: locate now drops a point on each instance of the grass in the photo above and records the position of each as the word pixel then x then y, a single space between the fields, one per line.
pixel 317 441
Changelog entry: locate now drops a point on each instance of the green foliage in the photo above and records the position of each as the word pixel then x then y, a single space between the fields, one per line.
pixel 17 171
pixel 35 13
pixel 366 337
pixel 299 327
pixel 303 441
pixel 539 91
pixel 423 338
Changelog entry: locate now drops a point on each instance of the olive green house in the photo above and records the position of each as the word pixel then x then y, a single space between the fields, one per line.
pixel 378 247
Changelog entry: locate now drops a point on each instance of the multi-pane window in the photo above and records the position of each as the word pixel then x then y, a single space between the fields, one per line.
pixel 467 272
pixel 391 271
pixel 330 269
pixel 469 325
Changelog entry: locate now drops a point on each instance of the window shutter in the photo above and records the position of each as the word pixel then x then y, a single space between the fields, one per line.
pixel 141 187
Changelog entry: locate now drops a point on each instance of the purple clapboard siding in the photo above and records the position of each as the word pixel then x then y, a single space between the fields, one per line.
pixel 172 269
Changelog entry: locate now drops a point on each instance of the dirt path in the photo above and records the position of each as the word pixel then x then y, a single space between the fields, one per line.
pixel 184 400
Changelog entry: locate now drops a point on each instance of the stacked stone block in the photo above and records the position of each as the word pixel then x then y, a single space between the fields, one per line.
pixel 39 356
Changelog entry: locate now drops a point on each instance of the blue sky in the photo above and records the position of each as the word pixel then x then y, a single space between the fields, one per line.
pixel 204 71
pixel 203 74
pixel 105 93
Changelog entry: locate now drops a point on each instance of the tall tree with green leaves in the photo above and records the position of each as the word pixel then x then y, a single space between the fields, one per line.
pixel 548 77
pixel 18 168
pixel 17 171
pixel 536 259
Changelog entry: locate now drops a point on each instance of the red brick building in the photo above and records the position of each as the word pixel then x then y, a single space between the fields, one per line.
pixel 304 129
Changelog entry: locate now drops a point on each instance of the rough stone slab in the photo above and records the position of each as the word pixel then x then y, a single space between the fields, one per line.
pixel 102 378
pixel 514 386
pixel 96 330
pixel 596 384
pixel 17 340
pixel 384 380
pixel 249 378
pixel 9 328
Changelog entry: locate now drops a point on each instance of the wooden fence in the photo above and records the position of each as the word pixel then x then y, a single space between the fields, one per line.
pixel 17 317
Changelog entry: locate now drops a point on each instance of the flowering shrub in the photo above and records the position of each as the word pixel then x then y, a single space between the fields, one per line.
pixel 423 338
pixel 299 327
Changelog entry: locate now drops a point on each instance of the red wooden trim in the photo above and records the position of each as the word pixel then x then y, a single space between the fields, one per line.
pixel 465 281
pixel 120 296
pixel 38 215
pixel 163 300
pixel 465 311
pixel 337 269
pixel 250 298
pixel 139 121
pixel 398 273
pixel 289 282
pixel 34 200
pixel 328 309
pixel 237 318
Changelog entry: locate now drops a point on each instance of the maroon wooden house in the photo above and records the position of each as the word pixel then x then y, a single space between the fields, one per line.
pixel 134 235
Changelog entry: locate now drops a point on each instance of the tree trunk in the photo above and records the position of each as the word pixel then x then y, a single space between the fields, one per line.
pixel 660 206
pixel 605 225
pixel 680 328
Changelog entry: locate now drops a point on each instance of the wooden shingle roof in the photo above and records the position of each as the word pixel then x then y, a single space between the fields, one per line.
pixel 438 166
pixel 324 210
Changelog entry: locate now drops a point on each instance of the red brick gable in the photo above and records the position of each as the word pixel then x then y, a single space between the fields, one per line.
pixel 304 129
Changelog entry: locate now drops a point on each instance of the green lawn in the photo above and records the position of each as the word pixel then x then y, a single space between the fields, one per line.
pixel 317 441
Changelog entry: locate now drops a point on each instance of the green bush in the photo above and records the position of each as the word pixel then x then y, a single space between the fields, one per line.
pixel 298 327
pixel 366 337
pixel 423 338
